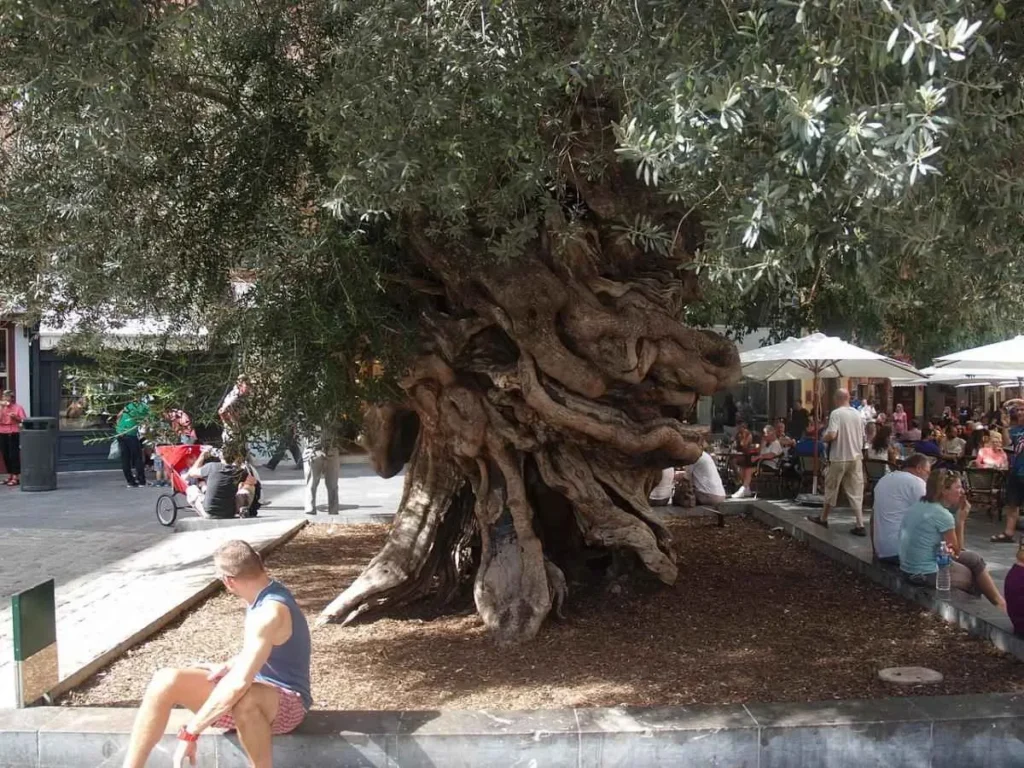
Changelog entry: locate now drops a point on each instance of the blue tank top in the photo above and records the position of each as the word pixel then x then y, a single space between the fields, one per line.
pixel 288 665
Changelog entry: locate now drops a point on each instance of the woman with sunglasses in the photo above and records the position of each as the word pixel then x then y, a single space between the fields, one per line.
pixel 930 522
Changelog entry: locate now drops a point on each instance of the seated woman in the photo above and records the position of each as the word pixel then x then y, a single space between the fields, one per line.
pixel 881 447
pixel 930 522
pixel 991 454
pixel 771 452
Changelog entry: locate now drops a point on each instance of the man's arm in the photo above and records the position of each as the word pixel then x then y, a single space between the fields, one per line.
pixel 271 621
pixel 195 470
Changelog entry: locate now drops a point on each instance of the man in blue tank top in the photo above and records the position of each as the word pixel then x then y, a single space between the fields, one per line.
pixel 262 692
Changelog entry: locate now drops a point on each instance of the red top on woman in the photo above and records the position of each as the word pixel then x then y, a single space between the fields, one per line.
pixel 11 416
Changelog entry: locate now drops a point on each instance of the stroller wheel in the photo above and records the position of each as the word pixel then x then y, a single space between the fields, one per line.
pixel 166 509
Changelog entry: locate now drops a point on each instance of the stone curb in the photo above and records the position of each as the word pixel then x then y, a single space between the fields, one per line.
pixel 81 675
pixel 189 524
pixel 973 614
pixel 982 731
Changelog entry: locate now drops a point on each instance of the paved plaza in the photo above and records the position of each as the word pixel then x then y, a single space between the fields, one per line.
pixel 119 572
pixel 92 520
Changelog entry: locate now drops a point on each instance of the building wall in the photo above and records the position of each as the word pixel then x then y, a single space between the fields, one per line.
pixel 22 368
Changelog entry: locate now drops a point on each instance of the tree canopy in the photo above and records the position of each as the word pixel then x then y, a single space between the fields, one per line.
pixel 497 220
pixel 840 157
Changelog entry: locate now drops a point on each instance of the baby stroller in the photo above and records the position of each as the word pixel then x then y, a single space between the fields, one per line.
pixel 177 459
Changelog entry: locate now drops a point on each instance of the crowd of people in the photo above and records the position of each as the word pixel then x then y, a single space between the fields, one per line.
pixel 920 500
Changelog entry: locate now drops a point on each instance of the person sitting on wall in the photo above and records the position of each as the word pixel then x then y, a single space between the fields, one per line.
pixel 1013 591
pixel 262 692
pixel 930 522
pixel 705 480
pixel 661 495
pixel 894 494
pixel 224 488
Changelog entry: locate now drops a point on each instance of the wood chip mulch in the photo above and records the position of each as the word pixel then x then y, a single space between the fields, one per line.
pixel 754 617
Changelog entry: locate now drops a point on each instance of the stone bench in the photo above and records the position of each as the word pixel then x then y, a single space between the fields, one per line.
pixel 983 731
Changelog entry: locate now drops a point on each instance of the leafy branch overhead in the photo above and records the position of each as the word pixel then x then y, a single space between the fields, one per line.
pixel 487 228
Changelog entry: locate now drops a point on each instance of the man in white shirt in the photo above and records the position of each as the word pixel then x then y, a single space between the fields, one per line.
pixel 706 482
pixel 894 495
pixel 661 496
pixel 845 435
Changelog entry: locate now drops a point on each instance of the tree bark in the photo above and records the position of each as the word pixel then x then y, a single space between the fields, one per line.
pixel 551 391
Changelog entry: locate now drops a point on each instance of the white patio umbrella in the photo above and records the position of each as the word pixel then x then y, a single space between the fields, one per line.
pixel 820 356
pixel 1001 356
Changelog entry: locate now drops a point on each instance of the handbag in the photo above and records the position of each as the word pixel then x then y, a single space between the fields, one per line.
pixel 115 450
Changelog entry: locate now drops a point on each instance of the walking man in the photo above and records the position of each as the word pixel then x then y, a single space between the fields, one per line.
pixel 845 436
pixel 262 692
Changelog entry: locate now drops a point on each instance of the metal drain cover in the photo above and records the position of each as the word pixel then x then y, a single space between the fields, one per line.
pixel 911 676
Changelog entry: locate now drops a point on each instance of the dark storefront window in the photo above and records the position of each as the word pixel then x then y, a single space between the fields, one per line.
pixel 81 405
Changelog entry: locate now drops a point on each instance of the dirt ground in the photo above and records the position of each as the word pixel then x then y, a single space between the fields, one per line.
pixel 754 616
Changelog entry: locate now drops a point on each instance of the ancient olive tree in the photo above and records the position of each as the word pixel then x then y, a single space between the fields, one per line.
pixel 486 227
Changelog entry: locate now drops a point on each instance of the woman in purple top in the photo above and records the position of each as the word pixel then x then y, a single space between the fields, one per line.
pixel 1013 590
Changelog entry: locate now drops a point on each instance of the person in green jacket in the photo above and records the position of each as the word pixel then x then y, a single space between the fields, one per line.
pixel 133 463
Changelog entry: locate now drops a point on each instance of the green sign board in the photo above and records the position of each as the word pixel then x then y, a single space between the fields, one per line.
pixel 34 614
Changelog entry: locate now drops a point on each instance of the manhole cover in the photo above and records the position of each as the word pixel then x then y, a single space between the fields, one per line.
pixel 910 675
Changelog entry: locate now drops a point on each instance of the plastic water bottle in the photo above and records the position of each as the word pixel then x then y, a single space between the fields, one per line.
pixel 942 580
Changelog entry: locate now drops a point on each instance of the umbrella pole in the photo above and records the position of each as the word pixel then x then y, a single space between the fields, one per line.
pixel 817 437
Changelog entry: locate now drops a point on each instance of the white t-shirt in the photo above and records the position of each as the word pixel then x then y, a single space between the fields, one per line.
pixel 868 413
pixel 705 478
pixel 954 447
pixel 845 423
pixel 894 495
pixel 666 486
pixel 772 449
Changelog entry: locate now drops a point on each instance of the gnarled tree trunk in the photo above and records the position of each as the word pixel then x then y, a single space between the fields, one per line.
pixel 550 392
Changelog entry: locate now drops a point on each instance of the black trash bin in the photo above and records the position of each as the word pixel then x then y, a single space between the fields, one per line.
pixel 39 454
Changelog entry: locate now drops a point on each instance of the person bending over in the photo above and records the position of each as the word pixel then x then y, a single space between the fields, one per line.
pixel 262 692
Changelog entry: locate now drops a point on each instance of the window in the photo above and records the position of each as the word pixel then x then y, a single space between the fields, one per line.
pixel 82 405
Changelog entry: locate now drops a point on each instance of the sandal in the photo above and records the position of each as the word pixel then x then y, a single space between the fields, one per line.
pixel 1002 538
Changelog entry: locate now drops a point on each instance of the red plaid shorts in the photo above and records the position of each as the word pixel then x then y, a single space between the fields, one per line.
pixel 290 713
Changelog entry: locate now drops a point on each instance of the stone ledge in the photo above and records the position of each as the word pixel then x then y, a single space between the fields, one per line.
pixel 973 614
pixel 983 730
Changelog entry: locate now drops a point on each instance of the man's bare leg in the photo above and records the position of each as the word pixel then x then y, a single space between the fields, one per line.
pixel 168 688
pixel 1012 516
pixel 253 714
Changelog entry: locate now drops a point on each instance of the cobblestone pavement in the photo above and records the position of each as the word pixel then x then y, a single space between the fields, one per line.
pixel 92 520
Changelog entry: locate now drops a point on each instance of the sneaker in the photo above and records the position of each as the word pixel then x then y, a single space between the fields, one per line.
pixel 858 530
pixel 741 493
pixel 132 485
pixel 816 519
pixel 311 512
